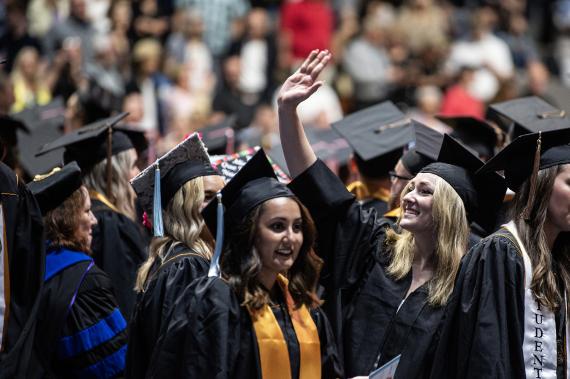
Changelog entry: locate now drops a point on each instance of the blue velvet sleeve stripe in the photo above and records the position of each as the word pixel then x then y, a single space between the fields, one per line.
pixel 93 336
pixel 108 367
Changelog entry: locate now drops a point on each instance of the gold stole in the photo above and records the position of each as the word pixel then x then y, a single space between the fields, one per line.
pixel 394 213
pixel 99 196
pixel 273 352
pixel 361 192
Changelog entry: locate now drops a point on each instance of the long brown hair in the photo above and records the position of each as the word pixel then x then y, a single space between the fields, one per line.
pixel 60 223
pixel 240 262
pixel 548 266
pixel 183 223
pixel 451 232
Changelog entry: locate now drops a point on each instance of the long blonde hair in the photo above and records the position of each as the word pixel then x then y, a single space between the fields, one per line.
pixel 547 265
pixel 122 195
pixel 183 224
pixel 451 230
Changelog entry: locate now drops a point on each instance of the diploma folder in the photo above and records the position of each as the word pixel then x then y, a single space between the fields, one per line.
pixel 387 371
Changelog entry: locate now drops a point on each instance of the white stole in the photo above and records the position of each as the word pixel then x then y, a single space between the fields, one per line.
pixel 539 344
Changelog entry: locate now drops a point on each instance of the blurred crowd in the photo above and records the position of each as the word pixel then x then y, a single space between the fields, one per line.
pixel 178 65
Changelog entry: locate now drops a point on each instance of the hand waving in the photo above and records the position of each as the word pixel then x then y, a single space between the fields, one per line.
pixel 302 84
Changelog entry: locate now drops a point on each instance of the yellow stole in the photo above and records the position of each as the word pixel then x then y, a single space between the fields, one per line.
pixel 361 192
pixel 99 196
pixel 394 213
pixel 273 352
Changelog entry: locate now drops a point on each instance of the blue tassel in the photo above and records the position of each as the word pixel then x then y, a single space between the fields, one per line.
pixel 157 206
pixel 215 264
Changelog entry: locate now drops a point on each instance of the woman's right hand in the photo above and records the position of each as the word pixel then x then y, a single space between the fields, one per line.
pixel 303 83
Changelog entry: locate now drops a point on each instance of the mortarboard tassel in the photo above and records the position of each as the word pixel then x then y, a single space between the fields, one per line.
pixel 157 206
pixel 533 178
pixel 215 264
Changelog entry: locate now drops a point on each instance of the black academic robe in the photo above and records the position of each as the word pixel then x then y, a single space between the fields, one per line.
pixel 81 332
pixel 362 300
pixel 209 335
pixel 483 329
pixel 119 247
pixel 380 206
pixel 167 279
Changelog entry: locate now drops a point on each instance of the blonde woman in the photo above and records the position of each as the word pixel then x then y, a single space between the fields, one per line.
pixel 182 254
pixel 385 292
pixel 29 87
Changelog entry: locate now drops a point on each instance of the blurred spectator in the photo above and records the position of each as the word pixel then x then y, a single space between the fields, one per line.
pixel 322 108
pixel 28 79
pixel 120 15
pixel 65 75
pixel 104 70
pixel 151 84
pixel 262 132
pixel 16 35
pixel 42 14
pixel 223 21
pixel 258 52
pixel 76 26
pixel 230 99
pixel 180 100
pixel 98 14
pixel 522 47
pixel 305 25
pixel 150 20
pixel 187 48
pixel 561 18
pixel 459 99
pixel 6 94
pixel 423 24
pixel 367 62
pixel 487 52
pixel 428 105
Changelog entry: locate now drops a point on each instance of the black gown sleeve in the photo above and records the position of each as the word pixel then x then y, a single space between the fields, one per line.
pixel 482 332
pixel 154 305
pixel 330 361
pixel 93 342
pixel 119 247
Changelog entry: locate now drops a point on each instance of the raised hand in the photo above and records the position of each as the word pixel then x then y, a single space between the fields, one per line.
pixel 303 83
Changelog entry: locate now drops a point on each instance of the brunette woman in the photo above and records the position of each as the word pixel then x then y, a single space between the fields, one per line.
pixel 261 318
pixel 385 292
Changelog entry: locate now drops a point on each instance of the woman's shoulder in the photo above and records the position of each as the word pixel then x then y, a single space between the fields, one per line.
pixel 495 250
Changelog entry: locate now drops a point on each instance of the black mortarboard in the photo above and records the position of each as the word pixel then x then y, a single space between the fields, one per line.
pixel 482 194
pixel 186 161
pixel 530 115
pixel 475 133
pixel 50 190
pixel 254 184
pixel 329 145
pixel 421 151
pixel 517 158
pixel 219 138
pixel 44 124
pixel 377 134
pixel 88 145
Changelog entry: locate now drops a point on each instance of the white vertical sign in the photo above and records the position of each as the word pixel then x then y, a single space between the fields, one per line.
pixel 3 295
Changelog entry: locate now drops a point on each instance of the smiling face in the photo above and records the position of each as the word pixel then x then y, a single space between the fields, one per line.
pixel 558 214
pixel 85 222
pixel 279 235
pixel 417 204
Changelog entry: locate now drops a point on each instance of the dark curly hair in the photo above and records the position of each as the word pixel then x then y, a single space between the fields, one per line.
pixel 60 223
pixel 241 263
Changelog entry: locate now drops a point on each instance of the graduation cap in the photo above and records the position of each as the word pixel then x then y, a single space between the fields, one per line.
pixel 44 123
pixel 421 152
pixel 158 183
pixel 530 115
pixel 9 128
pixel 482 194
pixel 52 189
pixel 473 132
pixel 529 153
pixel 219 138
pixel 378 135
pixel 254 184
pixel 329 145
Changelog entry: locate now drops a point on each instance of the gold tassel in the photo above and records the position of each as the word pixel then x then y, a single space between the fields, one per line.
pixel 533 178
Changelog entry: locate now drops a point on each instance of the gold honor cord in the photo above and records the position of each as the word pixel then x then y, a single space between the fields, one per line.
pixel 98 196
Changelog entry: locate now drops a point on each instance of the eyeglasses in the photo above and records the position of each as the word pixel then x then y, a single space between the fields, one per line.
pixel 395 176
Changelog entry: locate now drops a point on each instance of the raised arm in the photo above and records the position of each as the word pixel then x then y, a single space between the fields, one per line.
pixel 297 88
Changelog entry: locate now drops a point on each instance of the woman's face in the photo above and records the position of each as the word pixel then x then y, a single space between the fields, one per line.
pixel 279 234
pixel 85 221
pixel 212 185
pixel 133 169
pixel 417 204
pixel 559 205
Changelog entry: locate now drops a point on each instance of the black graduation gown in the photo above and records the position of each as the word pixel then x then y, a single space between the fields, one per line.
pixel 81 331
pixel 380 206
pixel 209 335
pixel 165 283
pixel 483 331
pixel 24 246
pixel 361 299
pixel 119 247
